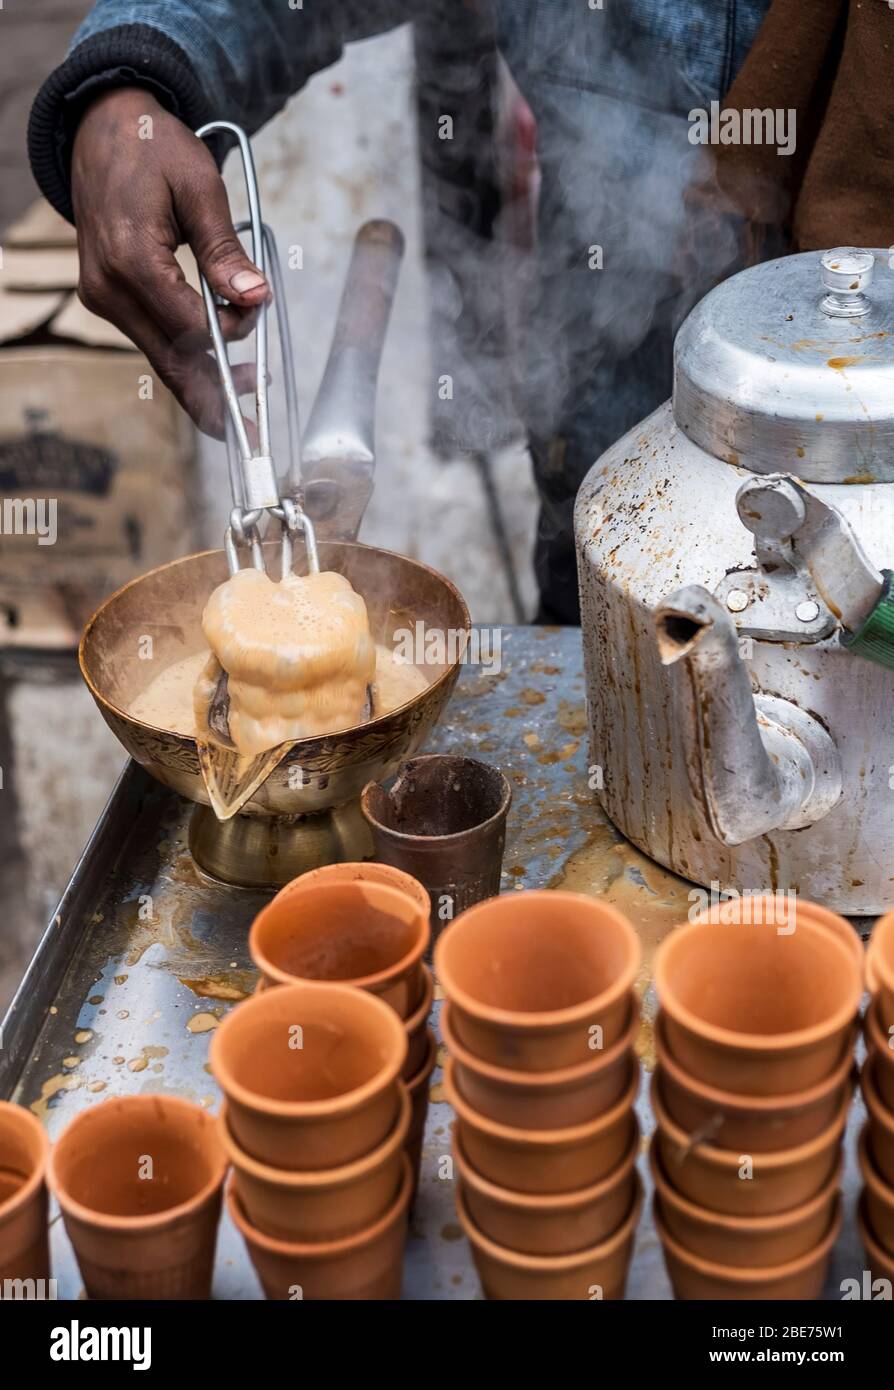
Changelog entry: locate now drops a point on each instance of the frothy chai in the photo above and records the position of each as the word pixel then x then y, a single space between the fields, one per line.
pixel 300 661
pixel 298 653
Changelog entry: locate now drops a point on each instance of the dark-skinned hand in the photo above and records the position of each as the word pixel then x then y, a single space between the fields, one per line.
pixel 137 199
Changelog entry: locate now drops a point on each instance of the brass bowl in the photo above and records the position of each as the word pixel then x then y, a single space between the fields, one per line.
pixel 318 774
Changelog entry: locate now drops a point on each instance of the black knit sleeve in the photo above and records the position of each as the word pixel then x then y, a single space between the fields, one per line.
pixel 132 55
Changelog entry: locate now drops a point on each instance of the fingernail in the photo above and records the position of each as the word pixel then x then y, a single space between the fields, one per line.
pixel 245 280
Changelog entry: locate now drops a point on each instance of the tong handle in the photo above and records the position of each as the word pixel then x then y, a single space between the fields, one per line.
pixel 256 490
pixel 258 477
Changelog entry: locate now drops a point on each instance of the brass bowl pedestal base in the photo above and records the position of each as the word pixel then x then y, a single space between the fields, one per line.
pixel 268 851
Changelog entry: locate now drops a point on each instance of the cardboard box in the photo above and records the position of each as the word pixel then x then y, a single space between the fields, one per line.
pixel 98 472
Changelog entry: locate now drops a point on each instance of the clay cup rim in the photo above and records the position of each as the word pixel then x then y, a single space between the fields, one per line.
pixel 833 922
pixel 754 1106
pixel 879 1258
pixel 540 1138
pixel 152 1221
pixel 538 1080
pixel 355 1000
pixel 757 1044
pixel 737 1274
pixel 377 895
pixel 869 1171
pixel 469 925
pixel 553 1264
pixel 297 1180
pixel 873 1031
pixel 769 1224
pixel 730 1159
pixel 549 1203
pixel 330 1249
pixel 361 871
pixel 877 1108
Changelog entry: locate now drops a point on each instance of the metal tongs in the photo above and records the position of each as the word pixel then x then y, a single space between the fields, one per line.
pixel 332 472
pixel 253 479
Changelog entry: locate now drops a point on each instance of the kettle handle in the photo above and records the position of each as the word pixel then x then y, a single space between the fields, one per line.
pixel 792 525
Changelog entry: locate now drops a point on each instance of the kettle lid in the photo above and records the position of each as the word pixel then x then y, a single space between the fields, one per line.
pixel 788 367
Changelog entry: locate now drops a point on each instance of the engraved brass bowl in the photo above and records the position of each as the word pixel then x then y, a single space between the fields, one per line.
pixel 155 620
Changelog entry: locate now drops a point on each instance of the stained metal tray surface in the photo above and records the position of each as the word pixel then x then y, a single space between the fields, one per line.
pixel 144 956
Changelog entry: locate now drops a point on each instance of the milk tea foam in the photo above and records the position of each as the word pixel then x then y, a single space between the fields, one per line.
pixel 298 653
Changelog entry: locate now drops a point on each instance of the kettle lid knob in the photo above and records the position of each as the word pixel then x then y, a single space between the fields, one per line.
pixel 845 272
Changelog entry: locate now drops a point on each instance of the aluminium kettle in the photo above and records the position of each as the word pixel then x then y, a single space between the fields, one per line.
pixel 736 607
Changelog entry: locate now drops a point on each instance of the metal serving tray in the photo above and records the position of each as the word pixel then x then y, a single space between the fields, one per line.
pixel 144 955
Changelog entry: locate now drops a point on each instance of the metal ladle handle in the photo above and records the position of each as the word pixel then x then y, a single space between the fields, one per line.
pixel 338 451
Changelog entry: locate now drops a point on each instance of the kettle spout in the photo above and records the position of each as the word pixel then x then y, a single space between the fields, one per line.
pixel 762 762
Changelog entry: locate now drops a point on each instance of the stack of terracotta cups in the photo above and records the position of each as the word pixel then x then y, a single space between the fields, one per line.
pixel 755 1041
pixel 315 1124
pixel 540 1023
pixel 876 1152
pixel 365 925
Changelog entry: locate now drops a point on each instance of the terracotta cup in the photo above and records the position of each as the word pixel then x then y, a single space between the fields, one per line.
pixel 311 1073
pixel 752 1124
pixel 367 1265
pixel 878 1195
pixel 747 1009
pixel 24 1148
pixel 548 1225
pixel 881 952
pixel 696 1278
pixel 541 1161
pixel 537 980
pixel 881 1121
pixel 139 1180
pixel 364 871
pixel 784 910
pixel 881 1263
pixel 353 933
pixel 443 820
pixel 880 1044
pixel 753 1242
pixel 418 1087
pixel 324 1204
pixel 417 1027
pixel 598 1272
pixel 718 1178
pixel 545 1099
